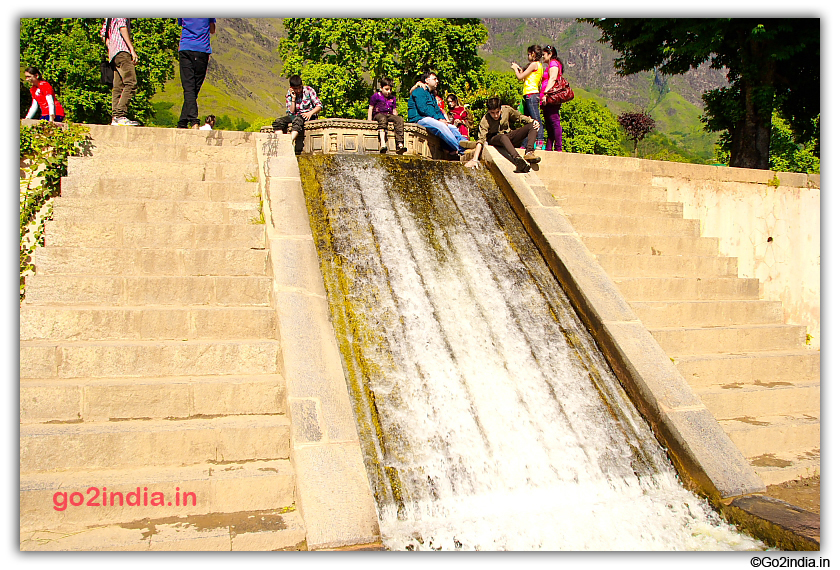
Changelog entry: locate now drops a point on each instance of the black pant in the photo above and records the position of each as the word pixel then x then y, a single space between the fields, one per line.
pixel 193 66
pixel 297 124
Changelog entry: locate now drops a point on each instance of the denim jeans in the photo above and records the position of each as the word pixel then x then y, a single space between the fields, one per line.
pixel 532 109
pixel 449 134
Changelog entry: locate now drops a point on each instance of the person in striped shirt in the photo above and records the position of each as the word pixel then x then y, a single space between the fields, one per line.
pixel 116 33
pixel 302 104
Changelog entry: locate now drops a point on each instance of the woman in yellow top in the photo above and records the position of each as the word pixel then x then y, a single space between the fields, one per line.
pixel 532 76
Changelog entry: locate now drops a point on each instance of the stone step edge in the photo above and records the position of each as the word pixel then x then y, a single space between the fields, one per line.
pixel 267 530
pixel 747 424
pixel 684 358
pixel 162 474
pixel 83 343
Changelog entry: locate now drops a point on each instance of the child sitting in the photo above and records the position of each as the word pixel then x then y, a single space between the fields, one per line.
pixel 383 108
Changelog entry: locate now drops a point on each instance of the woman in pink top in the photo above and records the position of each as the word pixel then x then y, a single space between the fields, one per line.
pixel 553 72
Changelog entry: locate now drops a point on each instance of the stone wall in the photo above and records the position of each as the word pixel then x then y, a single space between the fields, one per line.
pixel 769 221
pixel 356 136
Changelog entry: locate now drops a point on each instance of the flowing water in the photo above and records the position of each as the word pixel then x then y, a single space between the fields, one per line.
pixel 488 418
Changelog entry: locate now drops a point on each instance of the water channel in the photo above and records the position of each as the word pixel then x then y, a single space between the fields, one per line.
pixel 489 419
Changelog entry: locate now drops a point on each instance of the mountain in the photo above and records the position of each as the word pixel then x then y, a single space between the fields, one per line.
pixel 245 81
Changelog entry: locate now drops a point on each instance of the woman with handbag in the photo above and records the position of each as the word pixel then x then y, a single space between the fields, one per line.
pixel 551 77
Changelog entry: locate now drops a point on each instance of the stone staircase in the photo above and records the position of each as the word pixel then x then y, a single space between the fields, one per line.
pixel 749 368
pixel 149 357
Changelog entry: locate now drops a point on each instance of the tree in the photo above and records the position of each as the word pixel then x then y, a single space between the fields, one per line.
pixel 68 52
pixel 589 128
pixel 771 63
pixel 636 125
pixel 786 155
pixel 343 58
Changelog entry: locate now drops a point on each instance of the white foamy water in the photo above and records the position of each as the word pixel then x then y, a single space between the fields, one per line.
pixel 500 426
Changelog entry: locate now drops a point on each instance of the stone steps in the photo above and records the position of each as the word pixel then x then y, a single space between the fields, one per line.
pixel 627 224
pixel 155 211
pixel 221 290
pixel 278 529
pixel 103 188
pixel 218 488
pixel 732 347
pixel 165 152
pixel 571 172
pixel 143 136
pixel 608 190
pixel 151 261
pixel 765 367
pixel 585 204
pixel 149 353
pixel 641 244
pixel 775 468
pixel 50 359
pixel 45 400
pixel 194 171
pixel 114 235
pixel 656 314
pixel 44 323
pixel 668 265
pixel 734 339
pixel 773 435
pixel 687 288
pixel 128 444
pixel 756 400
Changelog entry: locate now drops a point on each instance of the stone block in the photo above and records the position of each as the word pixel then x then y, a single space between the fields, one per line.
pixel 289 216
pixel 42 402
pixel 335 497
pixel 644 362
pixel 583 278
pixel 700 441
pixel 38 361
pixel 312 362
pixel 295 265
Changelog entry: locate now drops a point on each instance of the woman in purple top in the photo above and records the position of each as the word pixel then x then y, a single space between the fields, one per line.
pixel 553 72
pixel 383 108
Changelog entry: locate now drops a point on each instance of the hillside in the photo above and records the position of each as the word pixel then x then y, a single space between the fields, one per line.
pixel 245 80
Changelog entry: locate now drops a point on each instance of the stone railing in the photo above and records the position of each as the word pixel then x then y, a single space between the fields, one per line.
pixel 355 136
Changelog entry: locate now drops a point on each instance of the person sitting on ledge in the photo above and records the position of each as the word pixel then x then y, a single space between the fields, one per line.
pixel 423 109
pixel 382 109
pixel 302 104
pixel 495 129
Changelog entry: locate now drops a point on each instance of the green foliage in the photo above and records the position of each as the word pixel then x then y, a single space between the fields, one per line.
pixel 771 63
pixel 590 128
pixel 343 58
pixel 503 85
pixel 44 149
pixel 68 52
pixel 786 155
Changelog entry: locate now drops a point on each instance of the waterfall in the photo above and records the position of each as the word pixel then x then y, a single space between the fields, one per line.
pixel 489 419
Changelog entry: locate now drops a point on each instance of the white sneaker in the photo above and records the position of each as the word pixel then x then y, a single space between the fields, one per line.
pixel 125 122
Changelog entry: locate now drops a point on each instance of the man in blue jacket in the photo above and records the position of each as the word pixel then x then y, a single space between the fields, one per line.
pixel 424 110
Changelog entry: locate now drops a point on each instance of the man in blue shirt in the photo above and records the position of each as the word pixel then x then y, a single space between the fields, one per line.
pixel 424 110
pixel 193 56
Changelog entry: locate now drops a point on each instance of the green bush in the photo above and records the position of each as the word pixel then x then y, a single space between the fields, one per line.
pixel 44 149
